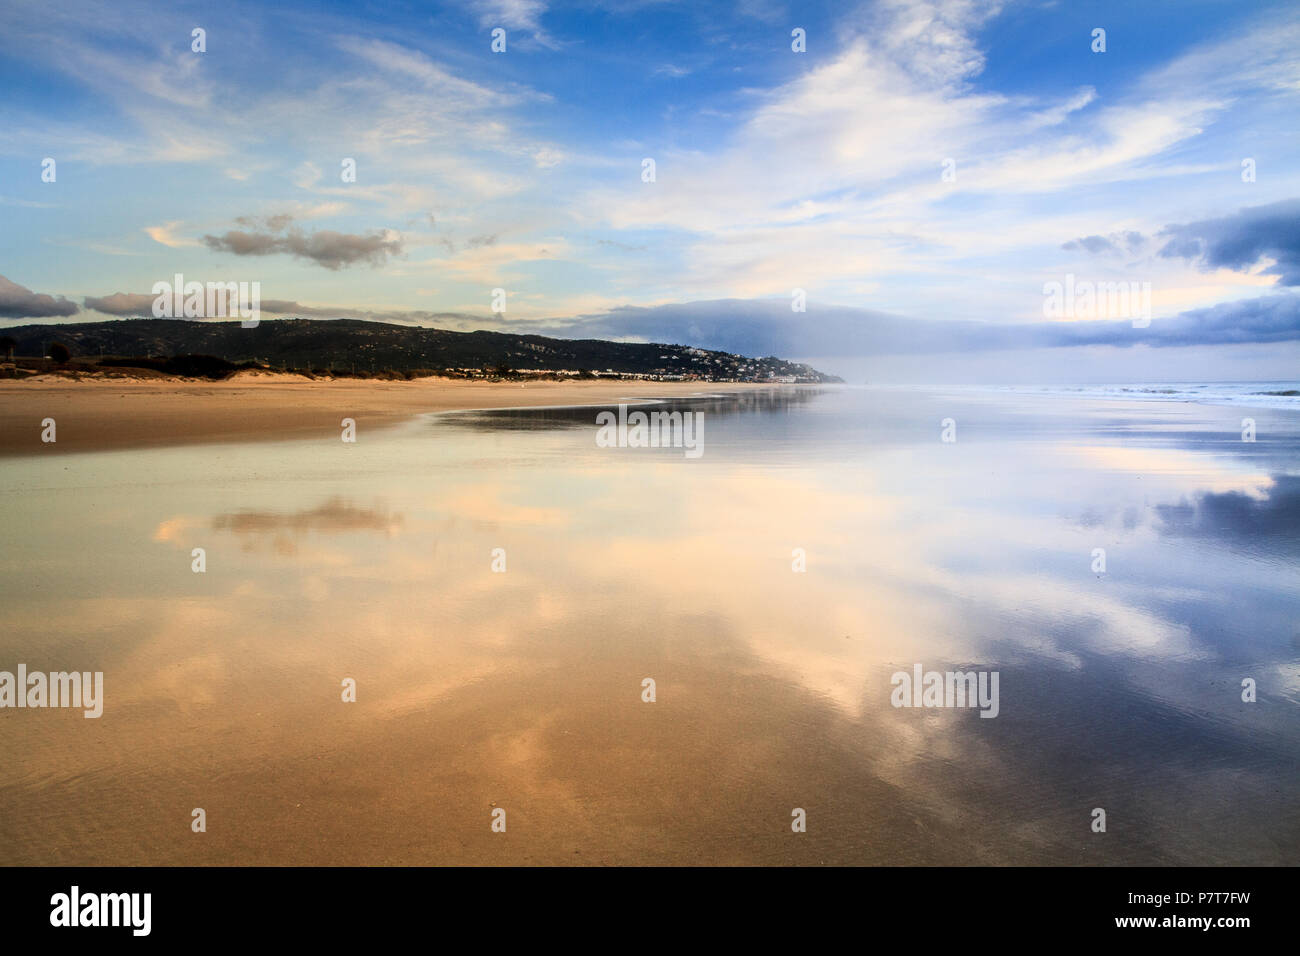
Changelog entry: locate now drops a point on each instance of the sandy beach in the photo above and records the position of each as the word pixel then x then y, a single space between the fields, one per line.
pixel 522 689
pixel 115 413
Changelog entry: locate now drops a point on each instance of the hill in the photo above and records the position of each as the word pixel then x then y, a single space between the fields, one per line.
pixel 355 346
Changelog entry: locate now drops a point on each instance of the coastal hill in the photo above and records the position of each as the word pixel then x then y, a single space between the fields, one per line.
pixel 355 347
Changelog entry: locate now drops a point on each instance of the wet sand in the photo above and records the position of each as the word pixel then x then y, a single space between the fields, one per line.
pixel 118 413
pixel 522 690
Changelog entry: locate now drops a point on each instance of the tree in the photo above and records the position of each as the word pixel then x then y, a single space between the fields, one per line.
pixel 60 352
pixel 8 343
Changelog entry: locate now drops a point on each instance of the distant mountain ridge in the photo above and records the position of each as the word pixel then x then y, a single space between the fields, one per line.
pixel 362 346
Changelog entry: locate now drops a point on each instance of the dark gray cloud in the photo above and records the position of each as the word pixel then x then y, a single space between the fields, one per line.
pixel 768 327
pixel 276 223
pixel 1093 244
pixel 121 303
pixel 17 302
pixel 1240 241
pixel 1115 243
pixel 138 304
pixel 134 304
pixel 461 321
pixel 327 248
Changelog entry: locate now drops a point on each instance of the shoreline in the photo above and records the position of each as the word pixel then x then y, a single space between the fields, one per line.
pixel 116 414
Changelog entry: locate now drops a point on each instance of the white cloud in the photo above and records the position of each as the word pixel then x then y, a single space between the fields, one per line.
pixel 166 234
pixel 522 15
pixel 833 179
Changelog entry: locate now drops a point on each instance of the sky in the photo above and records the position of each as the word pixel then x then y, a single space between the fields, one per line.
pixel 930 176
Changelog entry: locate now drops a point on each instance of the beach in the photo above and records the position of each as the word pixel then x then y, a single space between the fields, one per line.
pixel 101 413
pixel 498 587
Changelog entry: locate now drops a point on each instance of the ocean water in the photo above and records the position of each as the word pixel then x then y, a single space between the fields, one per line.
pixel 1283 395
pixel 500 588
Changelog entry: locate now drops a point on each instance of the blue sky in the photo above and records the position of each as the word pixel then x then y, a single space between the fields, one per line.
pixel 775 170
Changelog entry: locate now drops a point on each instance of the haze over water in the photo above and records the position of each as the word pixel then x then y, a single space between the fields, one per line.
pixel 523 690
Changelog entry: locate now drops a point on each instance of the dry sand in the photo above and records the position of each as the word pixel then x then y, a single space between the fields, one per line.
pixel 96 414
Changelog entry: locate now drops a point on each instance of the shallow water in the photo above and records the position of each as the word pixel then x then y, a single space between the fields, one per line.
pixel 522 690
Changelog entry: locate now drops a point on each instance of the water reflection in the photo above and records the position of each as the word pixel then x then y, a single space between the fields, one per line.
pixel 1269 520
pixel 767 402
pixel 522 688
pixel 333 515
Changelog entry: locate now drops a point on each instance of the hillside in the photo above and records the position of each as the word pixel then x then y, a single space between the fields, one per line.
pixel 350 345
